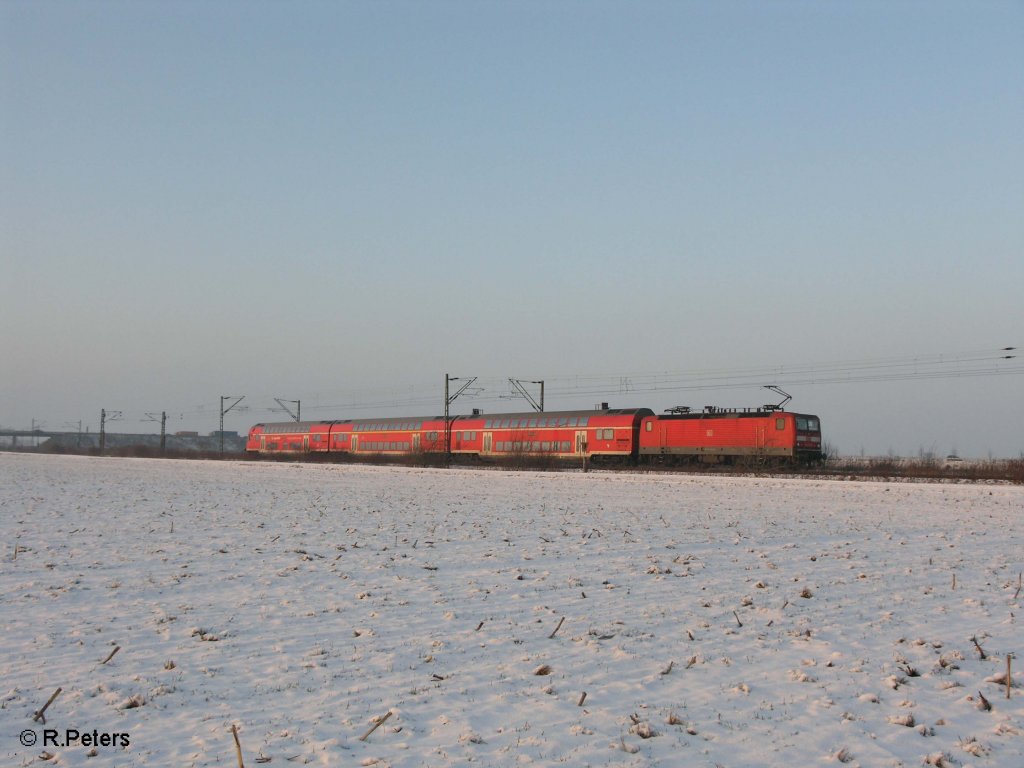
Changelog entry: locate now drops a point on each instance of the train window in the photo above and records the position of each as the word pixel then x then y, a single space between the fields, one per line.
pixel 801 424
pixel 812 425
pixel 650 426
pixel 584 420
pixel 780 424
pixel 532 423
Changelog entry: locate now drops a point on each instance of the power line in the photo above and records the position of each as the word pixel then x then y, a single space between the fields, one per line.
pixel 995 362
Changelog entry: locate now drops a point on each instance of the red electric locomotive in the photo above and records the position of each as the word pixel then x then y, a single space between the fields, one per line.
pixel 715 435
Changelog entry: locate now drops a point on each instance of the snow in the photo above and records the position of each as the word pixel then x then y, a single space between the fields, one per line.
pixel 710 621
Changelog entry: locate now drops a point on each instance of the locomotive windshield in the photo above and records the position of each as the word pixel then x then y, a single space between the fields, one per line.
pixel 807 424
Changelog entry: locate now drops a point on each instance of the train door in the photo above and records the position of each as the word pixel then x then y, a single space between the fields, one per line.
pixel 355 443
pixel 263 443
pixel 416 442
pixel 305 443
pixel 581 443
pixel 487 442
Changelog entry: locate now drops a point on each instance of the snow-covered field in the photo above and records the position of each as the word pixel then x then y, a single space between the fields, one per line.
pixel 503 618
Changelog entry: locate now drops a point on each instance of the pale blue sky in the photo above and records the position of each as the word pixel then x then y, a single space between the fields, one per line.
pixel 340 202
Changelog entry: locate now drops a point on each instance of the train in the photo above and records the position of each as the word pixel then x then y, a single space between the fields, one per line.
pixel 712 435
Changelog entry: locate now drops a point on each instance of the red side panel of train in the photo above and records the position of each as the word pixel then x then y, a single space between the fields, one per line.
pixel 564 434
pixel 290 437
pixel 627 434
pixel 723 436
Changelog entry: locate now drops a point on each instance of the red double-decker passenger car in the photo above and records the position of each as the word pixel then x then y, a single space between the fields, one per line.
pixel 604 433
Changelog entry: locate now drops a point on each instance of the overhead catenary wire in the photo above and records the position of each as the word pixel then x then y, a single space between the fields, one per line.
pixel 921 367
pixel 495 390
